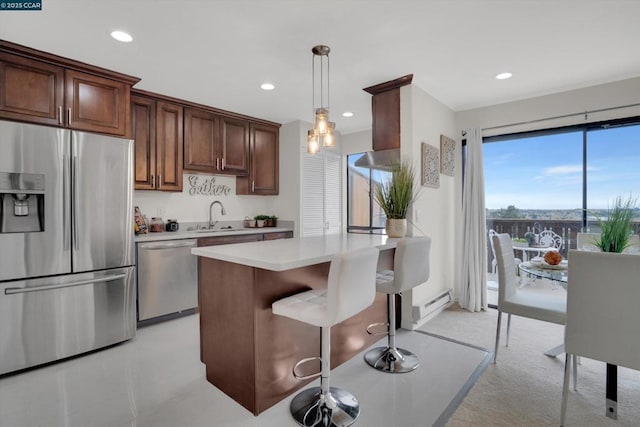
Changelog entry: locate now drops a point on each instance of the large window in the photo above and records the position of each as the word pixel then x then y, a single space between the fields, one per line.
pixel 363 213
pixel 561 179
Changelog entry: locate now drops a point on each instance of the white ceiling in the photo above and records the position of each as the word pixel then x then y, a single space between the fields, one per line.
pixel 218 52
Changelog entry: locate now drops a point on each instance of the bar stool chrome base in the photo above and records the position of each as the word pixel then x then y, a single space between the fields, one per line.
pixel 393 360
pixel 338 408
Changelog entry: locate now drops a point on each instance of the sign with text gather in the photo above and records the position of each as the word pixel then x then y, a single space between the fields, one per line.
pixel 207 186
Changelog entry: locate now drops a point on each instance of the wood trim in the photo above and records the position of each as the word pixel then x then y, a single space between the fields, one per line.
pixel 28 52
pixel 202 107
pixel 391 84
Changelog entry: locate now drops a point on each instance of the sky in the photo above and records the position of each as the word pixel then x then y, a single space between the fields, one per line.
pixel 545 172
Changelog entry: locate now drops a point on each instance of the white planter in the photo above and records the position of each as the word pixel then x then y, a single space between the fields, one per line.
pixel 396 227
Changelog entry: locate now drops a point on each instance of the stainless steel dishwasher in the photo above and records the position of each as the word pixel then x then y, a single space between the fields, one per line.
pixel 167 278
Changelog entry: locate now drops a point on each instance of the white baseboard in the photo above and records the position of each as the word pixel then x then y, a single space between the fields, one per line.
pixel 428 309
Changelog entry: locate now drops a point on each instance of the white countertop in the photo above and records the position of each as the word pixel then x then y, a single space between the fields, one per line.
pixel 173 235
pixel 286 254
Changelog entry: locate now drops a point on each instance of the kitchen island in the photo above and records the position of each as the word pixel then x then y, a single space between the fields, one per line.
pixel 248 351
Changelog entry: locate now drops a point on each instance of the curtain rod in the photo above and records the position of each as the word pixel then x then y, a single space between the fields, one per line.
pixel 586 113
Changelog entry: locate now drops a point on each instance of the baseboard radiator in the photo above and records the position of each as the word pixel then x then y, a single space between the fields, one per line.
pixel 429 308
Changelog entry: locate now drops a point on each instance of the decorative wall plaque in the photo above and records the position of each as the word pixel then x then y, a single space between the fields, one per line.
pixel 430 166
pixel 207 186
pixel 447 159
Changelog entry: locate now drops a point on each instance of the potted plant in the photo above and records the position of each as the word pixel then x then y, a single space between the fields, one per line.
pixel 616 229
pixel 272 221
pixel 394 197
pixel 261 220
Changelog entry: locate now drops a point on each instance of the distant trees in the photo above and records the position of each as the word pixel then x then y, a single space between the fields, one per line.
pixel 510 212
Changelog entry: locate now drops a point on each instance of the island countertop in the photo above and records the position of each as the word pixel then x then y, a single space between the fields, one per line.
pixel 287 254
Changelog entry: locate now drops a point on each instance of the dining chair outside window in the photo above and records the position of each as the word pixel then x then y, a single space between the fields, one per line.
pixel 550 239
pixel 512 300
pixel 602 311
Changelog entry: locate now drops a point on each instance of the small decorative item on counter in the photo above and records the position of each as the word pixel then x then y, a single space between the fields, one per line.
pixel 553 257
pixel 157 225
pixel 171 225
pixel 139 223
pixel 272 221
pixel 248 222
pixel 261 220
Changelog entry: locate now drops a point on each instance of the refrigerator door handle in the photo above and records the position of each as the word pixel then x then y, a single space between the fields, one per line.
pixel 65 204
pixel 74 197
pixel 11 291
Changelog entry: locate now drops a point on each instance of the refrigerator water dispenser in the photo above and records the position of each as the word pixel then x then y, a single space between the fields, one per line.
pixel 21 202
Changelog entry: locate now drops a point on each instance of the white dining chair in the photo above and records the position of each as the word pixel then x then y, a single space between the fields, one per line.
pixel 602 312
pixel 494 261
pixel 512 300
pixel 550 239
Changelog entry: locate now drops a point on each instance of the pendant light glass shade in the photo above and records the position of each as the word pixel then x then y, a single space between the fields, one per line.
pixel 329 138
pixel 313 143
pixel 323 130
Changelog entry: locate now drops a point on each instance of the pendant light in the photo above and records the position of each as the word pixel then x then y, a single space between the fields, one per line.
pixel 323 131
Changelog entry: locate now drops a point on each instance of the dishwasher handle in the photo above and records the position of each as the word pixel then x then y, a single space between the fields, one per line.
pixel 11 291
pixel 159 246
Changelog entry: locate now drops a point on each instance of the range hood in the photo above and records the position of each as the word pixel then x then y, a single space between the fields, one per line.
pixel 379 160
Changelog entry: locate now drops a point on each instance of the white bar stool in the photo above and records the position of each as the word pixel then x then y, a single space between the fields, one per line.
pixel 410 269
pixel 350 289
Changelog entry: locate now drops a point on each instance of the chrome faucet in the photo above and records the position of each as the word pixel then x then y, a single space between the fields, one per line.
pixel 222 211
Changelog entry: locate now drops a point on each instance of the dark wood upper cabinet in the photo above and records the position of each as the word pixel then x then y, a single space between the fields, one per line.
pixel 385 111
pixel 143 123
pixel 169 146
pixel 234 145
pixel 31 90
pixel 40 87
pixel 264 156
pixel 201 130
pixel 157 128
pixel 95 103
pixel 215 143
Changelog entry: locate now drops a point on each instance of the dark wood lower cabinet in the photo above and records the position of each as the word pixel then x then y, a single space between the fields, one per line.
pixel 248 351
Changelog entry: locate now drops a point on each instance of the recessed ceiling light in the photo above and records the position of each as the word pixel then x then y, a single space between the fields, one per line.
pixel 347 114
pixel 267 86
pixel 503 76
pixel 121 36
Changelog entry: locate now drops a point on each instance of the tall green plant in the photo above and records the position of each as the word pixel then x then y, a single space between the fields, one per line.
pixel 396 194
pixel 616 229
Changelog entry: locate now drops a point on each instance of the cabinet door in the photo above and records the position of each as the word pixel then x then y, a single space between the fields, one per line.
pixel 386 119
pixel 200 140
pixel 234 145
pixel 143 123
pixel 169 144
pixel 278 235
pixel 264 159
pixel 31 90
pixel 96 103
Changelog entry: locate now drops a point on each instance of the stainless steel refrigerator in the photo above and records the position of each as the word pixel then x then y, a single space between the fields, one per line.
pixel 67 281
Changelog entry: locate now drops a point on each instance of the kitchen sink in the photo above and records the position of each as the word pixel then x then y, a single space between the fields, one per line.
pixel 216 230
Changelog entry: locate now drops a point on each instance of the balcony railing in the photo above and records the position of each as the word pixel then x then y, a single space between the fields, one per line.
pixel 566 228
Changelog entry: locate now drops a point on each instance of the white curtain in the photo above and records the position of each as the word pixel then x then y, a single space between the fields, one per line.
pixel 474 246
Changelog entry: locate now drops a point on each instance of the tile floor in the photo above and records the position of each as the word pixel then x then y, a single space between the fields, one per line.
pixel 157 380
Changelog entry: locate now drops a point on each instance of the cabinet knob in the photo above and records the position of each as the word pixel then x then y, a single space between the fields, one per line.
pixel 60 115
pixel 69 116
pixel 153 181
pixel 222 163
pixel 253 186
pixel 217 163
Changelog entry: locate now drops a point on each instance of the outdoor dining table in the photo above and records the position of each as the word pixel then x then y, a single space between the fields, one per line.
pixel 560 275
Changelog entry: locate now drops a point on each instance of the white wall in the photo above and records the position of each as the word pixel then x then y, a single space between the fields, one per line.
pixel 290 185
pixel 436 213
pixel 606 96
pixel 357 142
